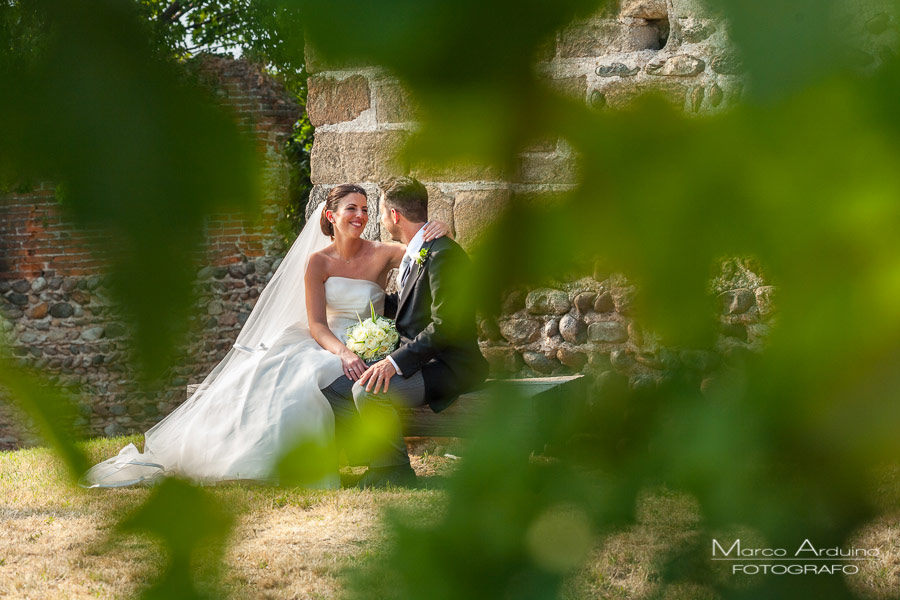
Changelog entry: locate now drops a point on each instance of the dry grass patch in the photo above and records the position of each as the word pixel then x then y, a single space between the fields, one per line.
pixel 57 541
pixel 628 564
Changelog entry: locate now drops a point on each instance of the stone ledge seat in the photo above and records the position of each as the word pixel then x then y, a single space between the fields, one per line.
pixel 530 397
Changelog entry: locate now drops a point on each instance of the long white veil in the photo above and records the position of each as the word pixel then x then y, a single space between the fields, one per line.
pixel 283 301
pixel 282 304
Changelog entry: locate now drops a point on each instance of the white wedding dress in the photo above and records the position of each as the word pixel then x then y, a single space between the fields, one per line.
pixel 263 399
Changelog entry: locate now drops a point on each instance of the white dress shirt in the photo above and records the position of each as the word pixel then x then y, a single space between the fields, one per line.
pixel 412 251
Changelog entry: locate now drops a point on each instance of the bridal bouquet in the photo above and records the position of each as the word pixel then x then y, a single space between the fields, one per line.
pixel 372 339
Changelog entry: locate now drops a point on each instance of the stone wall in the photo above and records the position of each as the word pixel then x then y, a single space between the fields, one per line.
pixel 587 325
pixel 55 312
pixel 362 114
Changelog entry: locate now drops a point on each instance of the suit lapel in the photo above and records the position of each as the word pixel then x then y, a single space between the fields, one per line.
pixel 416 271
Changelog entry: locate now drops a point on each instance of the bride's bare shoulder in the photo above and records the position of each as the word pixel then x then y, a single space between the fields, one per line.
pixel 318 262
pixel 389 249
pixel 323 254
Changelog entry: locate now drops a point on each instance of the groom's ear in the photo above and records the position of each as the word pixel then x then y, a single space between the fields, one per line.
pixel 395 216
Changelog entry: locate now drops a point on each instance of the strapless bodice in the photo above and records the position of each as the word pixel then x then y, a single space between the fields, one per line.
pixel 347 300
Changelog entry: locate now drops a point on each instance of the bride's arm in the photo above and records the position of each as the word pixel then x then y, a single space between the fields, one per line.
pixel 436 229
pixel 314 281
pixel 433 231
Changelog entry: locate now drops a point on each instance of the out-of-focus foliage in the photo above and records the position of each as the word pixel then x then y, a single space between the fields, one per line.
pixel 187 520
pixel 309 463
pixel 801 175
pixel 86 89
pixel 20 30
pixel 91 98
pixel 262 31
pixel 138 154
pixel 293 213
pixel 52 410
pixel 259 30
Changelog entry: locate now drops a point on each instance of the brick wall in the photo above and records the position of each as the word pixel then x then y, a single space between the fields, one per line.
pixel 57 317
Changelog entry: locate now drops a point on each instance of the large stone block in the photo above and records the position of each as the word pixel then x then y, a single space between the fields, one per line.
pixel 680 65
pixel 617 69
pixel 607 332
pixel 728 63
pixel 644 9
pixel 621 93
pixel 475 210
pixel 520 331
pixel 440 206
pixel 540 362
pixel 514 301
pixel 489 330
pixel 547 168
pixel 393 104
pixel 586 38
pixel 572 329
pixel 572 358
pixel 457 171
pixel 547 301
pixel 342 157
pixel 502 360
pixel 334 101
pixel 738 301
pixel 623 297
pixel 574 87
pixel 686 9
pixel 696 30
pixel 599 37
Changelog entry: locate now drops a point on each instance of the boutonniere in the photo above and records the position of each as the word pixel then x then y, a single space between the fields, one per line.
pixel 423 254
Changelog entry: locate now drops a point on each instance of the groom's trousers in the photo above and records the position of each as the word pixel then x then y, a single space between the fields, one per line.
pixel 368 423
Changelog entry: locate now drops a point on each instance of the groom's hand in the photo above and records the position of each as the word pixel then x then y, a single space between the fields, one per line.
pixel 378 375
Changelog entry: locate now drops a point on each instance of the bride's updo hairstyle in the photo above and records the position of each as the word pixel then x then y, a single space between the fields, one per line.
pixel 333 200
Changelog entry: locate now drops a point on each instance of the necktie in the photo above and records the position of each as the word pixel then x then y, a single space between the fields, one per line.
pixel 404 269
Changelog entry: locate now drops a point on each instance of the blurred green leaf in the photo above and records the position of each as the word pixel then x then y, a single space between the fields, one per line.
pixel 469 63
pixel 49 407
pixel 803 178
pixel 142 156
pixel 186 519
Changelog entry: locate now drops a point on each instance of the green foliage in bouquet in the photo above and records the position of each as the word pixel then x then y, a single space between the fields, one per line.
pixel 373 339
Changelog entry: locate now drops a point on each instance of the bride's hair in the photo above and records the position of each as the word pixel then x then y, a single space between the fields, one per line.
pixel 333 200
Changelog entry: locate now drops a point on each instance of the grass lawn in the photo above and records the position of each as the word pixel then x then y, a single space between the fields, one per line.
pixel 56 540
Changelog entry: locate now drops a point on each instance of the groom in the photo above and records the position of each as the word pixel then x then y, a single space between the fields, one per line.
pixel 438 357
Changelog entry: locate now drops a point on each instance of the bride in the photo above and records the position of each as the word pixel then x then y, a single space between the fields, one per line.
pixel 263 399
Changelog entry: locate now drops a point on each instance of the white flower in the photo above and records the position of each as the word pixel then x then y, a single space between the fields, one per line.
pixel 372 339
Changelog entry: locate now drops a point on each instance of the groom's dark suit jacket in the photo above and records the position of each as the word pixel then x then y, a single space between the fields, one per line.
pixel 436 322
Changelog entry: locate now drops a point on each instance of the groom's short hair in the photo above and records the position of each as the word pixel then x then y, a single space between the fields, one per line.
pixel 407 196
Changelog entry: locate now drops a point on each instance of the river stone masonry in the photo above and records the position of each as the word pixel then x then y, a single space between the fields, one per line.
pixel 586 325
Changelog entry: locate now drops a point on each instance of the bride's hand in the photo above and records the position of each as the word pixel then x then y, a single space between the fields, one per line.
pixel 436 229
pixel 354 367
